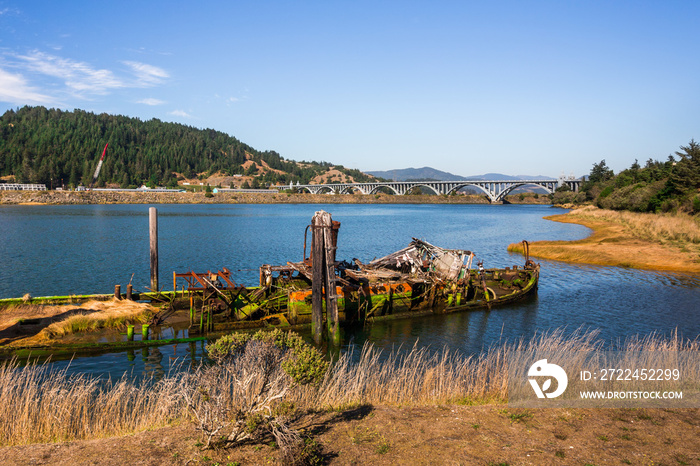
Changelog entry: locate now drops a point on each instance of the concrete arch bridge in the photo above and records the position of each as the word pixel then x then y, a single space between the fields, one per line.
pixel 495 191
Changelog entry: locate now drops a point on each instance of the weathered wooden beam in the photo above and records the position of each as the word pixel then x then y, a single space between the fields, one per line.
pixel 317 257
pixel 329 282
pixel 153 235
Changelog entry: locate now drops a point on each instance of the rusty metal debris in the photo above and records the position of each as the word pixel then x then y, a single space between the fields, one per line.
pixel 420 278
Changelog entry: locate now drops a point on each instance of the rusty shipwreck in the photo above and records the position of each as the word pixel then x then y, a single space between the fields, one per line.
pixel 319 290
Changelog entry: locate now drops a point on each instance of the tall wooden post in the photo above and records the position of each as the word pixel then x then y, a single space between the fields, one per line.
pixel 317 276
pixel 323 245
pixel 153 233
pixel 329 283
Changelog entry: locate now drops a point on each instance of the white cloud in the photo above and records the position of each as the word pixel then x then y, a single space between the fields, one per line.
pixel 14 89
pixel 78 76
pixel 150 101
pixel 180 113
pixel 147 75
pixel 69 77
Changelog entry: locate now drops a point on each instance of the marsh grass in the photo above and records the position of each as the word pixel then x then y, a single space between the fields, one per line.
pixel 92 315
pixel 102 314
pixel 41 404
pixel 626 239
pixel 663 228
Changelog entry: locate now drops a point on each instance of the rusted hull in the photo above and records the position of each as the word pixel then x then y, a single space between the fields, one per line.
pixel 379 301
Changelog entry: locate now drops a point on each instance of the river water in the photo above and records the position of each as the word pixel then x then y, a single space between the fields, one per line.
pixel 60 250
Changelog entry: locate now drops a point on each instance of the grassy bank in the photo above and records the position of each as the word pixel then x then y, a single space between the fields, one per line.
pixel 39 404
pixel 668 242
pixel 31 324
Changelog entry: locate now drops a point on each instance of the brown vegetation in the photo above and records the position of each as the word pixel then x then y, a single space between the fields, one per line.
pixel 412 407
pixel 420 435
pixel 668 242
pixel 30 324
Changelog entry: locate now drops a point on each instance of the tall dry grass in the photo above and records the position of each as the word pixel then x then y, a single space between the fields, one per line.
pixel 420 376
pixel 662 228
pixel 40 404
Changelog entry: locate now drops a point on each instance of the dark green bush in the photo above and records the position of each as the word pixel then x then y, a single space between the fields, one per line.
pixel 302 362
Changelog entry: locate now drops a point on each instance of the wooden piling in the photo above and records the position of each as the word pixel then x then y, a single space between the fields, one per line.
pixel 130 332
pixel 323 281
pixel 329 284
pixel 317 257
pixel 117 292
pixel 153 235
pixel 144 331
pixel 129 292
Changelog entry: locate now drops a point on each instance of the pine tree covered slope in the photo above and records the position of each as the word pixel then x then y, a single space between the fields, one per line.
pixel 51 146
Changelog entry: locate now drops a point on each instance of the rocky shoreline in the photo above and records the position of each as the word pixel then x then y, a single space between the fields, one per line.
pixel 110 197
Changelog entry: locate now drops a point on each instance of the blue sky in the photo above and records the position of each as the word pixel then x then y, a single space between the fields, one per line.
pixel 537 87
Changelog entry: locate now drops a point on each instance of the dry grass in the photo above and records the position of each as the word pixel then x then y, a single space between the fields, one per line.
pixel 418 377
pixel 63 320
pixel 39 404
pixel 101 314
pixel 663 228
pixel 626 239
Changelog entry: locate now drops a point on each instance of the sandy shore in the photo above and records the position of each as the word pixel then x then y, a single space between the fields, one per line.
pixel 625 240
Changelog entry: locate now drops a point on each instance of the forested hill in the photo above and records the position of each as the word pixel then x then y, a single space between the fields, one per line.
pixel 39 145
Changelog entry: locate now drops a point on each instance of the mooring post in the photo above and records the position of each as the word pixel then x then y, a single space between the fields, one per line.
pixel 129 292
pixel 153 234
pixel 330 241
pixel 317 258
pixel 117 292
pixel 144 331
pixel 130 332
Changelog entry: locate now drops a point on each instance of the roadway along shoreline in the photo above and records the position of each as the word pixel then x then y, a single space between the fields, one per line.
pixel 114 197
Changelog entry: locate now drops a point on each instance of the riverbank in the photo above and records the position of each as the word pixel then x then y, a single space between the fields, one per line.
pixel 442 434
pixel 663 242
pixel 408 408
pixel 110 197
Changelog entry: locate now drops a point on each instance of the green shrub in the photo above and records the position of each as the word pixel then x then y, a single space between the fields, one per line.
pixel 606 192
pixel 302 362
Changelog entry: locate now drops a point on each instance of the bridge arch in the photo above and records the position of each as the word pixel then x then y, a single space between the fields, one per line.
pixel 502 195
pixel 422 185
pixel 377 187
pixel 472 185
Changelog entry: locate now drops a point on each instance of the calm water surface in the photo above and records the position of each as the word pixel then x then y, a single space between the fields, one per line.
pixel 59 250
